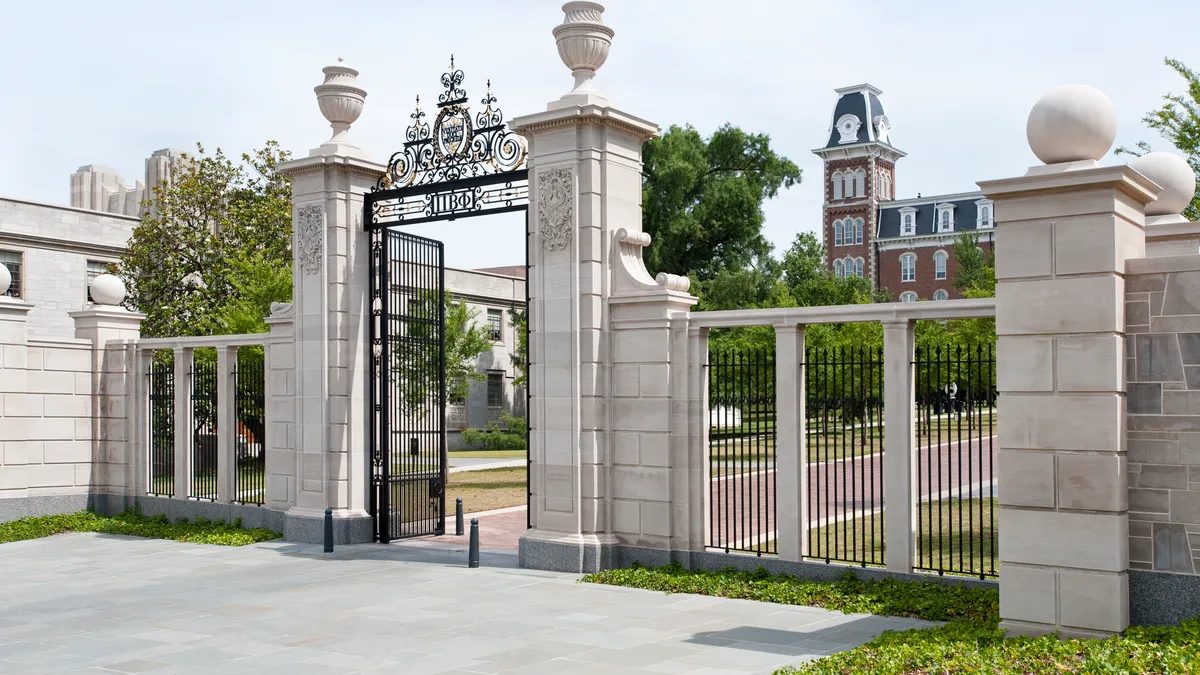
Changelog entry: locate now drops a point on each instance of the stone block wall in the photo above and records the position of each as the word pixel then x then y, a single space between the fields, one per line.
pixel 1162 310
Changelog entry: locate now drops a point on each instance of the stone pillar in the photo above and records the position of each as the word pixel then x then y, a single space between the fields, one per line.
pixel 790 452
pixel 280 368
pixel 14 426
pixel 113 331
pixel 600 337
pixel 1064 232
pixel 329 305
pixel 182 361
pixel 899 445
pixel 226 424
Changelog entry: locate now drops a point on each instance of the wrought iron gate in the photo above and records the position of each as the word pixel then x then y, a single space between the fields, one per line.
pixel 408 361
pixel 466 165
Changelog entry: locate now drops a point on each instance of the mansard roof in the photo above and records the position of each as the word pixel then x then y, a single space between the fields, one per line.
pixel 858 117
pixel 965 214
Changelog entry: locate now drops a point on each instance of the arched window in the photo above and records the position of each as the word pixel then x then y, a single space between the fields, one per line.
pixel 837 184
pixel 837 233
pixel 908 267
pixel 837 268
pixel 908 296
pixel 909 228
pixel 939 294
pixel 849 179
pixel 939 265
pixel 858 267
pixel 887 186
pixel 986 214
pixel 858 225
pixel 860 180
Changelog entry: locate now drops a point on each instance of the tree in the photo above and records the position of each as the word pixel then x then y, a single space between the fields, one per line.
pixel 415 359
pixel 519 357
pixel 702 200
pixel 214 248
pixel 1178 121
pixel 465 341
pixel 812 284
pixel 976 268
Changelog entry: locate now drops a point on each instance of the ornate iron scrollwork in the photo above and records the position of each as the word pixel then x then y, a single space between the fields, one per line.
pixel 458 146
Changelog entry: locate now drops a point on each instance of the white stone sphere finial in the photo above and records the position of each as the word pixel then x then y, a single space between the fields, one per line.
pixel 1173 174
pixel 583 43
pixel 107 289
pixel 5 281
pixel 341 100
pixel 1071 123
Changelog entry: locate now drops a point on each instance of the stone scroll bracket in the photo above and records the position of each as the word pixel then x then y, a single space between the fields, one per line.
pixel 632 276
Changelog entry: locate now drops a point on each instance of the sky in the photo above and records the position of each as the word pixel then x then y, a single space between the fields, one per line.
pixel 109 83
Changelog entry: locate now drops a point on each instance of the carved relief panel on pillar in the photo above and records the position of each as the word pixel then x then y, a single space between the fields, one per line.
pixel 555 206
pixel 310 230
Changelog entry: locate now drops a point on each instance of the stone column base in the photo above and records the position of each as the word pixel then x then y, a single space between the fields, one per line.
pixel 558 552
pixel 307 526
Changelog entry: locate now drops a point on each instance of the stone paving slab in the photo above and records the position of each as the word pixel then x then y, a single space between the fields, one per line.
pixel 93 603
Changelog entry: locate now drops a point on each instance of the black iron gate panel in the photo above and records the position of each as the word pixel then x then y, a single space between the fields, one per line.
pixel 408 391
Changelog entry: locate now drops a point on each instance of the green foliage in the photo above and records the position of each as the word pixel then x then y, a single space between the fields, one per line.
pixel 134 523
pixel 980 647
pixel 927 600
pixel 811 284
pixel 214 249
pixel 465 341
pixel 519 357
pixel 702 206
pixel 415 361
pixel 1178 121
pixel 513 436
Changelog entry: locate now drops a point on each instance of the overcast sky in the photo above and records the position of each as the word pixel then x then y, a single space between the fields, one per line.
pixel 109 82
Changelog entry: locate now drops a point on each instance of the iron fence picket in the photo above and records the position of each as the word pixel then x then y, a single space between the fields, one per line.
pixel 203 376
pixel 250 446
pixel 160 480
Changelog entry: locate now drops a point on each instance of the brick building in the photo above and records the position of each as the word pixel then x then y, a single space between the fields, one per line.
pixel 902 245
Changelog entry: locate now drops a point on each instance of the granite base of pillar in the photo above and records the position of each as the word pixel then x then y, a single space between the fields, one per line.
pixel 16 508
pixel 555 552
pixel 307 527
pixel 1162 598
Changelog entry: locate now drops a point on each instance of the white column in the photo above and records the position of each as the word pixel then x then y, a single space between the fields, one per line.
pixel 183 421
pixel 899 444
pixel 279 369
pixel 791 491
pixel 700 492
pixel 226 424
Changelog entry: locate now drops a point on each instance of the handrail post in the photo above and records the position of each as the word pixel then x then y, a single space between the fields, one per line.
pixel 791 497
pixel 226 424
pixel 183 421
pixel 899 443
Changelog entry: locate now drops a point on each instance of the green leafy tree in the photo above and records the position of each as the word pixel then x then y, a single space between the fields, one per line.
pixel 519 357
pixel 466 340
pixel 214 246
pixel 812 284
pixel 702 201
pixel 1178 121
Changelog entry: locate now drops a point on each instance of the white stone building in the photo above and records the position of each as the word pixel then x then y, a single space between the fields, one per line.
pixel 99 188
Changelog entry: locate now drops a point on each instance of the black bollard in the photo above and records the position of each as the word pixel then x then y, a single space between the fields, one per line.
pixel 458 518
pixel 329 530
pixel 473 551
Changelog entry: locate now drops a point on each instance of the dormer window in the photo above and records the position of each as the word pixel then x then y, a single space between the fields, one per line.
pixel 945 217
pixel 908 221
pixel 984 219
pixel 847 127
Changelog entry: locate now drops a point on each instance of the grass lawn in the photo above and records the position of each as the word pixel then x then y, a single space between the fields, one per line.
pixel 199 531
pixel 251 480
pixel 489 454
pixel 941 544
pixel 487 490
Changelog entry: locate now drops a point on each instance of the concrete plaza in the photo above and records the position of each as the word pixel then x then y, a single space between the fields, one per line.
pixel 92 603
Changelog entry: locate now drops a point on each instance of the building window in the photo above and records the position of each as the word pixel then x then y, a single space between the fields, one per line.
pixel 945 218
pixel 837 268
pixel 858 226
pixel 887 186
pixel 94 269
pixel 860 183
pixel 984 209
pixel 495 320
pixel 495 397
pixel 908 221
pixel 908 296
pixel 837 233
pixel 858 267
pixel 939 265
pixel 12 260
pixel 939 294
pixel 837 184
pixel 908 267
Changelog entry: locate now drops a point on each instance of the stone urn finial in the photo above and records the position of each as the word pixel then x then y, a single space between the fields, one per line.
pixel 341 100
pixel 583 42
pixel 107 289
pixel 1177 180
pixel 1072 123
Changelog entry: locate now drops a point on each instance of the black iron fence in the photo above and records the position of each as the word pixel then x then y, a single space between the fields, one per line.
pixel 844 446
pixel 161 388
pixel 741 397
pixel 204 426
pixel 250 435
pixel 956 460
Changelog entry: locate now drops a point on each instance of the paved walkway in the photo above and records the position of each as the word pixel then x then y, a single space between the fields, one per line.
pixel 92 603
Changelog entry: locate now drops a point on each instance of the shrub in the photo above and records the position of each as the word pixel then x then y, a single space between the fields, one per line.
pixel 492 437
pixel 133 523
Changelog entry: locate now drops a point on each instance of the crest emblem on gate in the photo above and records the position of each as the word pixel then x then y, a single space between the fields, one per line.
pixel 453 132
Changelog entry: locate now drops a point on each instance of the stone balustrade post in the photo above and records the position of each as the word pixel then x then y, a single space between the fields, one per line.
pixel 699 423
pixel 279 367
pixel 183 421
pixel 899 445
pixel 1064 233
pixel 226 423
pixel 791 490
pixel 14 316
